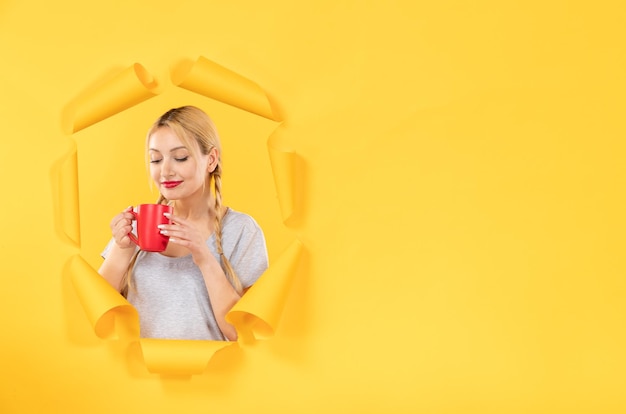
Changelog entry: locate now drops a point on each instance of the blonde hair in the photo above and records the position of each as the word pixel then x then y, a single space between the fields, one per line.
pixel 190 124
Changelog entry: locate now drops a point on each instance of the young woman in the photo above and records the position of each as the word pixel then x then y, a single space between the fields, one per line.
pixel 214 253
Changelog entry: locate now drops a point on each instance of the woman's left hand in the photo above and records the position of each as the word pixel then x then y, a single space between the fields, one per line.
pixel 184 233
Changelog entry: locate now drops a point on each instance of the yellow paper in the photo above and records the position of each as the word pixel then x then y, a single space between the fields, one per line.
pixel 129 87
pixel 283 161
pixel 258 312
pixel 215 81
pixel 179 357
pixel 65 191
pixel 111 316
pixel 462 221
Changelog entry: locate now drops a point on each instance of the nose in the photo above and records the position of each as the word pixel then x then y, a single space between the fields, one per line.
pixel 167 168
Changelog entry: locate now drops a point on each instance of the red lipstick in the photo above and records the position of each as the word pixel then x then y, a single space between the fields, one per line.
pixel 170 184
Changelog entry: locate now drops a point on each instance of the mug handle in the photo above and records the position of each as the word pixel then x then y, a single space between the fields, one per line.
pixel 131 236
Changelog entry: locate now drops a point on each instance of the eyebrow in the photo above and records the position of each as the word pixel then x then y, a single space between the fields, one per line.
pixel 172 150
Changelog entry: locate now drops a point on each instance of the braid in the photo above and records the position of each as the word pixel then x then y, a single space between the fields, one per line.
pixel 127 279
pixel 228 268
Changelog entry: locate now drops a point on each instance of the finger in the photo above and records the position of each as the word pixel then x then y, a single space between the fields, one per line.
pixel 115 227
pixel 179 241
pixel 176 233
pixel 115 221
pixel 125 215
pixel 128 211
pixel 122 234
pixel 123 224
pixel 176 219
pixel 173 227
pixel 123 228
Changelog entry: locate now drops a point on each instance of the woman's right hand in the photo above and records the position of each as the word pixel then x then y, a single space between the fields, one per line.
pixel 121 225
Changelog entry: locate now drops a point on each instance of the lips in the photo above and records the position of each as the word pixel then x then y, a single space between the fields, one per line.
pixel 170 184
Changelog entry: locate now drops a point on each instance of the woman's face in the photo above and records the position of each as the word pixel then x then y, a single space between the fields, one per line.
pixel 174 167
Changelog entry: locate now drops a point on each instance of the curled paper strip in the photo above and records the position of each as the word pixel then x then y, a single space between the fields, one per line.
pixel 215 81
pixel 283 161
pixel 179 357
pixel 111 316
pixel 128 88
pixel 66 197
pixel 258 312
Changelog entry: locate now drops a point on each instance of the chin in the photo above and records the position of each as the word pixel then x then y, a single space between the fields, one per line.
pixel 171 197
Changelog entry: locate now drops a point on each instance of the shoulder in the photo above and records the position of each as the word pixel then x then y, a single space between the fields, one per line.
pixel 237 221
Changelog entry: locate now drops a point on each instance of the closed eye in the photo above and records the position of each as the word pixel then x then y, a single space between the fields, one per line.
pixel 155 161
pixel 183 159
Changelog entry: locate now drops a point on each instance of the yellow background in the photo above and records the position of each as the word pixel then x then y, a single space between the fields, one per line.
pixel 462 174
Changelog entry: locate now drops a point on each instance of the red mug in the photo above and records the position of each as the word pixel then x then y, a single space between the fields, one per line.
pixel 149 237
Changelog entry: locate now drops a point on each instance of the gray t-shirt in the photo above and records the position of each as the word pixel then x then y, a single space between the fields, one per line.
pixel 170 294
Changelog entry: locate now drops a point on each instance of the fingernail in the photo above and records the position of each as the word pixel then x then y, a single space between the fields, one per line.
pixel 161 226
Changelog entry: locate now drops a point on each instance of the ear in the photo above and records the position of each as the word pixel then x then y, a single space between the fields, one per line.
pixel 214 158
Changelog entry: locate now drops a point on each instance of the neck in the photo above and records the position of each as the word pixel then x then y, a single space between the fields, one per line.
pixel 194 207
